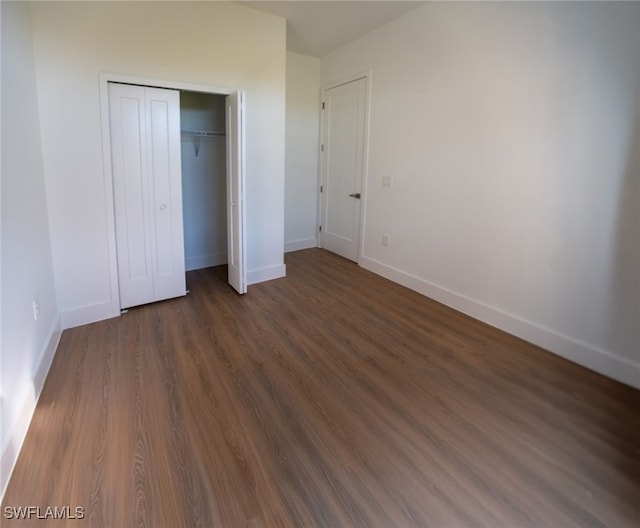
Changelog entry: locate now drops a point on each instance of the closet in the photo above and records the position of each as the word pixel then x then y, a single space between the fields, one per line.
pixel 204 185
pixel 178 180
pixel 213 183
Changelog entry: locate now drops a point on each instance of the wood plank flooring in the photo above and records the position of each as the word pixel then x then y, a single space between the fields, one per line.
pixel 331 398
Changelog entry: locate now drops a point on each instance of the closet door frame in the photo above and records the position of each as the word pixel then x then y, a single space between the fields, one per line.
pixel 105 79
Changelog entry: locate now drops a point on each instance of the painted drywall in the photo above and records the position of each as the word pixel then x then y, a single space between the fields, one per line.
pixel 204 180
pixel 215 44
pixel 511 132
pixel 27 270
pixel 301 167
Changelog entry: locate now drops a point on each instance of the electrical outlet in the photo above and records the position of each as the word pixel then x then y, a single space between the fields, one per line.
pixel 385 240
pixel 387 181
pixel 36 310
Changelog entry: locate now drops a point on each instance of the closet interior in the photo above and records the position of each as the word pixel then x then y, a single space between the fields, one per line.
pixel 203 157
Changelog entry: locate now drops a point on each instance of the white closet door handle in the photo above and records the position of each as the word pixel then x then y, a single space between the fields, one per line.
pixel 163 207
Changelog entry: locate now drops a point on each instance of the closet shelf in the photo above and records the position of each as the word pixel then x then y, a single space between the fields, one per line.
pixel 201 133
pixel 197 135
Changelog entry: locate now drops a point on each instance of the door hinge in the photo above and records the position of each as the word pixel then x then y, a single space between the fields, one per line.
pixel 321 188
pixel 320 228
pixel 323 105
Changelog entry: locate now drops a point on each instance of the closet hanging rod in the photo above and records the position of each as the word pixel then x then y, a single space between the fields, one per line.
pixel 201 133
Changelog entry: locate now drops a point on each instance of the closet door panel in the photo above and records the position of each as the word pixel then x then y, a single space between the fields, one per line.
pixel 163 115
pixel 131 194
pixel 236 253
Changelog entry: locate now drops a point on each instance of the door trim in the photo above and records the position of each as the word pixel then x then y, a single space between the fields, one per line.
pixel 104 79
pixel 367 76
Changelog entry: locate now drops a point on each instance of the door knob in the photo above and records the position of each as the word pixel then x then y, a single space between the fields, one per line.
pixel 163 207
pixel 355 195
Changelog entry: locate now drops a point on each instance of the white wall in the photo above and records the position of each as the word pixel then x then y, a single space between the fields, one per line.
pixel 208 43
pixel 204 180
pixel 27 272
pixel 301 172
pixel 511 131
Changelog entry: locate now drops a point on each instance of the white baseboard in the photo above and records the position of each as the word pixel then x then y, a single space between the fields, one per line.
pixel 303 243
pixel 589 356
pixel 19 428
pixel 90 314
pixel 266 274
pixel 205 261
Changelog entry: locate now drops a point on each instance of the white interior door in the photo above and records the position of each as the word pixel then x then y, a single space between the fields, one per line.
pixel 147 182
pixel 165 171
pixel 236 251
pixel 342 167
pixel 131 193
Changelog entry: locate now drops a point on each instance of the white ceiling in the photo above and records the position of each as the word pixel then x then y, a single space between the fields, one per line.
pixel 317 28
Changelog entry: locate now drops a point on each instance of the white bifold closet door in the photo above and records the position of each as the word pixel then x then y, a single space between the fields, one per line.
pixel 236 250
pixel 147 184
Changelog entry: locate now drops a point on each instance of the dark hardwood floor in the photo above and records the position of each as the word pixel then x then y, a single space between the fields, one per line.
pixel 331 398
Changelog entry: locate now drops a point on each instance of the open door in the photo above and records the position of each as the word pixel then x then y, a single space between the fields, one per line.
pixel 236 192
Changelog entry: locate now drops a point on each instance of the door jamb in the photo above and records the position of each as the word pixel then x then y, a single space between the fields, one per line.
pixel 321 220
pixel 104 79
